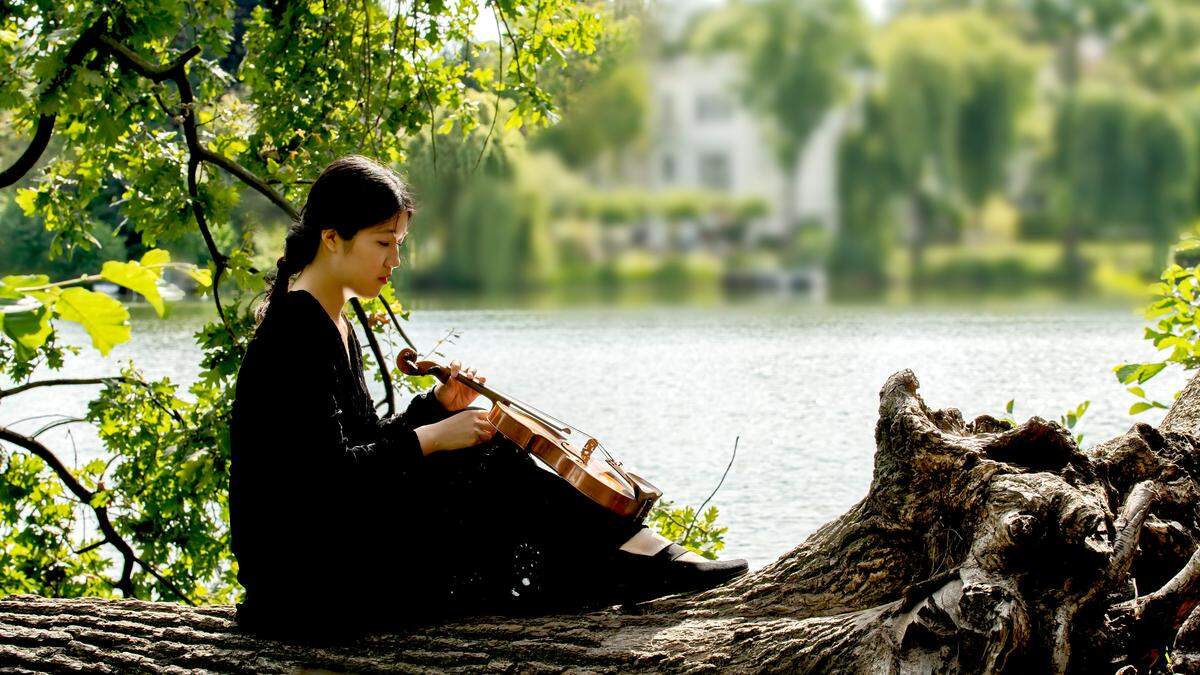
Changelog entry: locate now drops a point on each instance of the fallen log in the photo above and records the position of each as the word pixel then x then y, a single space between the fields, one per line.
pixel 980 547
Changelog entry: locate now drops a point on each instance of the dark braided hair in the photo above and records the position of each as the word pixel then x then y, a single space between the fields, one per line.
pixel 352 193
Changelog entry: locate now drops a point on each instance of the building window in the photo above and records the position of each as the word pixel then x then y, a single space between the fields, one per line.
pixel 668 168
pixel 715 171
pixel 713 108
pixel 667 121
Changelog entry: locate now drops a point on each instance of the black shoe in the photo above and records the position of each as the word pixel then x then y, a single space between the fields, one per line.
pixel 642 577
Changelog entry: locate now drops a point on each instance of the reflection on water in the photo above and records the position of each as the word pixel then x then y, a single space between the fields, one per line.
pixel 667 388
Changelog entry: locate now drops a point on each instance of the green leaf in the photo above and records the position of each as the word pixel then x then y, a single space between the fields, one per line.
pixel 27 200
pixel 1009 407
pixel 155 256
pixel 1140 406
pixel 1149 370
pixel 9 284
pixel 28 330
pixel 133 276
pixel 1127 372
pixel 105 319
pixel 1137 391
pixel 202 276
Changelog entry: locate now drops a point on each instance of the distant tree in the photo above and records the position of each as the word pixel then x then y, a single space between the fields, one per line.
pixel 798 58
pixel 952 88
pixel 867 185
pixel 1064 25
pixel 603 98
pixel 1159 46
pixel 1127 160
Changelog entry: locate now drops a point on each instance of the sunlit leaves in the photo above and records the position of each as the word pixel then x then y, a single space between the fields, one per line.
pixel 133 276
pixel 1173 311
pixel 37 524
pixel 105 319
pixel 29 302
pixel 28 330
pixel 681 525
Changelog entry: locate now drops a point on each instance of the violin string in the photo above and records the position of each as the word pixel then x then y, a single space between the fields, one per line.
pixel 565 424
pixel 517 401
pixel 538 412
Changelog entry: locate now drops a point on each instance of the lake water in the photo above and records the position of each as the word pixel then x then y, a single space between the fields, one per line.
pixel 669 388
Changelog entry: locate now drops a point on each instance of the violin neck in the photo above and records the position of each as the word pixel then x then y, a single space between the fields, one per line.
pixel 443 374
pixel 491 394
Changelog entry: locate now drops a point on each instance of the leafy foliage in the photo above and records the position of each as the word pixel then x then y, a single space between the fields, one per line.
pixel 1068 419
pixel 681 525
pixel 1172 311
pixel 1125 158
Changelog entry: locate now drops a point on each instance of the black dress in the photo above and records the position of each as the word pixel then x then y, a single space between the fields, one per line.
pixel 338 521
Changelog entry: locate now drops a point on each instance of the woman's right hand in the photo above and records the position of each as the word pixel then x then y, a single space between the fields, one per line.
pixel 461 430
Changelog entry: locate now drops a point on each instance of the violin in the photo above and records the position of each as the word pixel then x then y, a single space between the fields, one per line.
pixel 549 439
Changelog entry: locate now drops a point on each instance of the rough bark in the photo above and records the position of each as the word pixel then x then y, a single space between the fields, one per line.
pixel 979 548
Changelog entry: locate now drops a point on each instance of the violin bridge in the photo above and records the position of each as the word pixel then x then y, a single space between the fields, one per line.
pixel 588 448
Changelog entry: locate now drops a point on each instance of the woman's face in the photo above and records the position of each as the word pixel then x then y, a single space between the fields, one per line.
pixel 366 261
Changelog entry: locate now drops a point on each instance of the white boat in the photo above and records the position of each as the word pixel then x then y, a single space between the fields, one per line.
pixel 107 288
pixel 169 291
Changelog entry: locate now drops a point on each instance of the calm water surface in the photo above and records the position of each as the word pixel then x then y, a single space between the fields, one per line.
pixel 669 389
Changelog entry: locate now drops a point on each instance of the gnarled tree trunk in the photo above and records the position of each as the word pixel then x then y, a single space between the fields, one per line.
pixel 979 548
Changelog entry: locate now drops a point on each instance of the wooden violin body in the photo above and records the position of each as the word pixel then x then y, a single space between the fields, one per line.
pixel 603 480
pixel 600 477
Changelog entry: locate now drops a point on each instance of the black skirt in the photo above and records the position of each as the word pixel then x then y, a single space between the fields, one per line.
pixel 512 537
pixel 486 530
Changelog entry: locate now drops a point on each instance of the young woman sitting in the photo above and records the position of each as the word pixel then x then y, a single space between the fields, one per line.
pixel 342 520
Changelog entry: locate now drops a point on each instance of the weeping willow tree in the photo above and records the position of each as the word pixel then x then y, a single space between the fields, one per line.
pixel 952 88
pixel 1124 159
pixel 485 220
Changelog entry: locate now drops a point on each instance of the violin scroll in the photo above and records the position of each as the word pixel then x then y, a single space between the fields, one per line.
pixel 408 364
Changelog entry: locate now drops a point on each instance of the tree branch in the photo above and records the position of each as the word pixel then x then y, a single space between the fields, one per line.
pixel 1165 601
pixel 60 382
pixel 125 582
pixel 389 395
pixel 45 126
pixel 92 380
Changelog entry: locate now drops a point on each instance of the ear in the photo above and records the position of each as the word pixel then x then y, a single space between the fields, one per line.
pixel 329 237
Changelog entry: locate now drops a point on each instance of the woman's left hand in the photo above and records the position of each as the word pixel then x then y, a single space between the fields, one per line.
pixel 454 395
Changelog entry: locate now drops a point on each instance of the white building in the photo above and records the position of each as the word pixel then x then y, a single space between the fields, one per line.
pixel 701 136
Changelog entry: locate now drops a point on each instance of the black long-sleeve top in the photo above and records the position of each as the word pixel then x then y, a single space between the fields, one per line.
pixel 319 493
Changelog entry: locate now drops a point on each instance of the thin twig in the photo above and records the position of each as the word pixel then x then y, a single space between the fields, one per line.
pixel 496 105
pixel 710 496
pixel 384 369
pixel 424 90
